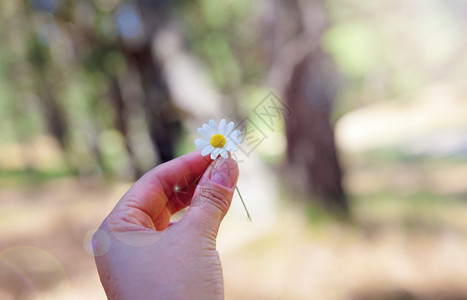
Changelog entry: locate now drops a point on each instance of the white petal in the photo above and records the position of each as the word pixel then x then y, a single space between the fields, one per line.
pixel 204 132
pixel 236 136
pixel 204 127
pixel 213 128
pixel 212 124
pixel 231 147
pixel 224 153
pixel 207 150
pixel 215 153
pixel 197 141
pixel 237 133
pixel 221 127
pixel 234 139
pixel 229 128
pixel 201 143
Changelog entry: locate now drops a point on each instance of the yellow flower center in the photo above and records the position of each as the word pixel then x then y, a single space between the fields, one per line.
pixel 218 141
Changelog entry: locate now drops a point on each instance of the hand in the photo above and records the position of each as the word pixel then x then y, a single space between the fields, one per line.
pixel 141 255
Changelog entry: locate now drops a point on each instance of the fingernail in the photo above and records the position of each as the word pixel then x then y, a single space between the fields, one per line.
pixel 225 172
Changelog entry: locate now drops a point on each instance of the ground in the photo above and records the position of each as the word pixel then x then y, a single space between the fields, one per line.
pixel 407 240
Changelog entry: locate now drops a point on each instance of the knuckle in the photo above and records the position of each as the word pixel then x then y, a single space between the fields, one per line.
pixel 215 197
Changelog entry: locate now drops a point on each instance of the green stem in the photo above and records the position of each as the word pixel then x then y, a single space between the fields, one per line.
pixel 243 202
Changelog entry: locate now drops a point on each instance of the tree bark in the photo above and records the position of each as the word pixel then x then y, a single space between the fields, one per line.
pixel 303 74
pixel 311 151
pixel 161 118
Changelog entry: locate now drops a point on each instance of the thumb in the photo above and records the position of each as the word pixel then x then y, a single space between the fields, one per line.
pixel 212 197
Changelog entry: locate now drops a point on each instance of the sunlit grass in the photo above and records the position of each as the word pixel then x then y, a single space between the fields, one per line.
pixel 23 178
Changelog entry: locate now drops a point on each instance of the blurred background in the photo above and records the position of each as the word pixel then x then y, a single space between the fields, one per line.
pixel 353 164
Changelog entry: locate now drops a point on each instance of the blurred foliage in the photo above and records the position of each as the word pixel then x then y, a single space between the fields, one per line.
pixel 221 35
pixel 58 60
pixel 387 49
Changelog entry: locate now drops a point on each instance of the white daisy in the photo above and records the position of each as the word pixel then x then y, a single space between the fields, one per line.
pixel 218 140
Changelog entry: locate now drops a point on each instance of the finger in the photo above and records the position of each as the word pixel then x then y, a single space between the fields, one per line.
pixel 182 198
pixel 176 203
pixel 179 172
pixel 163 220
pixel 147 198
pixel 212 197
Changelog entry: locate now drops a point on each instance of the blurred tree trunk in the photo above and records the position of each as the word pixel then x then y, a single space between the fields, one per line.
pixel 304 76
pixel 122 118
pixel 160 114
pixel 162 121
pixel 311 151
pixel 53 111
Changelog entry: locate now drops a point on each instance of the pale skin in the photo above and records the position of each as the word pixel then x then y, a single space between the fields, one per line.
pixel 141 255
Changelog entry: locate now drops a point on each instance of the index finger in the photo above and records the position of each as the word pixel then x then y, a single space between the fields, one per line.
pixel 149 195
